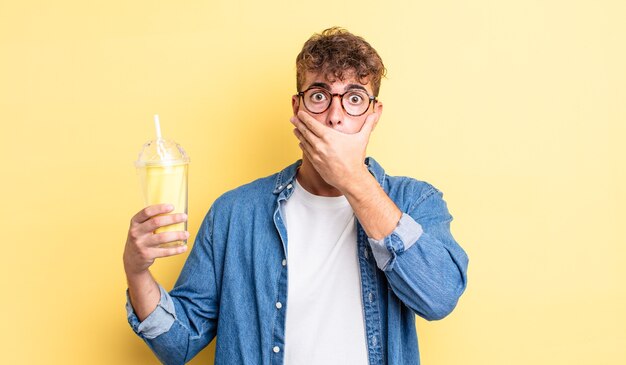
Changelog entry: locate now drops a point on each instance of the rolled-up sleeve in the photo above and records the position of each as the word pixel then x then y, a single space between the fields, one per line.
pixel 185 320
pixel 407 232
pixel 425 267
pixel 158 322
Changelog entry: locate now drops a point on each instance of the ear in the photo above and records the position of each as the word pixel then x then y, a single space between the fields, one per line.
pixel 295 104
pixel 378 108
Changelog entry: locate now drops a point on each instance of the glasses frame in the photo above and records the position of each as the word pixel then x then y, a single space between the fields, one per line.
pixel 332 96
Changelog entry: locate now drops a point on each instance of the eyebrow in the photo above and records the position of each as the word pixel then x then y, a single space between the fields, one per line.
pixel 324 85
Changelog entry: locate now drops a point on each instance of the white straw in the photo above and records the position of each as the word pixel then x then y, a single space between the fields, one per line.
pixel 157 125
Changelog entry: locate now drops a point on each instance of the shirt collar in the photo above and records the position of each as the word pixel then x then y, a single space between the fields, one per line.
pixel 286 176
pixel 376 170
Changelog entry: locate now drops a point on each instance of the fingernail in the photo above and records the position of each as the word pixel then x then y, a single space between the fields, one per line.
pixel 169 207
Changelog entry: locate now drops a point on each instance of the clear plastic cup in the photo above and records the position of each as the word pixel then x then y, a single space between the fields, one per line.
pixel 162 168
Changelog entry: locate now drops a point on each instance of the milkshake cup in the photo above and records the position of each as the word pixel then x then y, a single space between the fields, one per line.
pixel 162 168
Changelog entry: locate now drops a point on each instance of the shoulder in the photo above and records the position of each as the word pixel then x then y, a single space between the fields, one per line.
pixel 410 185
pixel 247 195
pixel 408 192
pixel 242 205
pixel 405 190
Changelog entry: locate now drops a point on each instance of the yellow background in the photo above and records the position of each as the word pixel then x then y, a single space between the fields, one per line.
pixel 514 109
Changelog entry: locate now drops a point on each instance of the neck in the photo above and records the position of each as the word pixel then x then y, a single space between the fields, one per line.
pixel 312 182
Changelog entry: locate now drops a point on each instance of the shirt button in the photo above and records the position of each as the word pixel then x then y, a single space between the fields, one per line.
pixel 279 305
pixel 374 341
pixel 280 187
pixel 284 262
pixel 370 296
pixel 276 349
pixel 367 254
pixel 289 186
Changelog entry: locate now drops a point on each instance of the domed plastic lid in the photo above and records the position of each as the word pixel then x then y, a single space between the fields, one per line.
pixel 161 152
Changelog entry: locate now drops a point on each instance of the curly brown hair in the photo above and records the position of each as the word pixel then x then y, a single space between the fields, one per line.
pixel 337 54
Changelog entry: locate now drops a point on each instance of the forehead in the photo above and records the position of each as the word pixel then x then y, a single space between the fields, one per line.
pixel 336 85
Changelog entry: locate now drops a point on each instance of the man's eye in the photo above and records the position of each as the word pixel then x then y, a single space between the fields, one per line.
pixel 355 98
pixel 318 97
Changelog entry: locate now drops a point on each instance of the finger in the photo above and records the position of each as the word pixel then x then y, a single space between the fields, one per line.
pixel 158 252
pixel 150 211
pixel 162 221
pixel 370 124
pixel 304 144
pixel 299 135
pixel 166 237
pixel 305 152
pixel 304 130
pixel 311 124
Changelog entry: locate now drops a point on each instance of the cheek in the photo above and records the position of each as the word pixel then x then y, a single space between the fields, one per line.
pixel 319 118
pixel 352 126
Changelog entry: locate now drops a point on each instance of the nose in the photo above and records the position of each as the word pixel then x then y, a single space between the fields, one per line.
pixel 335 112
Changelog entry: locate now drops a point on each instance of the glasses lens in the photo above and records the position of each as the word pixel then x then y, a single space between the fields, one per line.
pixel 355 102
pixel 317 100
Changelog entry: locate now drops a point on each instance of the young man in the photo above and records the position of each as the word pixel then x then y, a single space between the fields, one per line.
pixel 325 262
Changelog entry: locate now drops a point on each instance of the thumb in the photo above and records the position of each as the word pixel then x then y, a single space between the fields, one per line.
pixel 370 124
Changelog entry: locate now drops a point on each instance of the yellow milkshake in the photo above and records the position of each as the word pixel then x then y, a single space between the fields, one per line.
pixel 162 168
pixel 166 184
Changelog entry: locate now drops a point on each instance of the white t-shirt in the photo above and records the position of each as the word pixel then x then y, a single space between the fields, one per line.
pixel 324 320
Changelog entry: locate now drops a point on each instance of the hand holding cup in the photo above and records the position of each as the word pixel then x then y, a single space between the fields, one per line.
pixel 143 245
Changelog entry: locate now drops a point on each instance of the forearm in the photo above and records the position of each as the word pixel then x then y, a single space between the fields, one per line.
pixel 425 266
pixel 164 331
pixel 144 293
pixel 429 276
pixel 376 212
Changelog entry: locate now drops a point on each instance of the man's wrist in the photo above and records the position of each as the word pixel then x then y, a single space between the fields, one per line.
pixel 137 276
pixel 360 185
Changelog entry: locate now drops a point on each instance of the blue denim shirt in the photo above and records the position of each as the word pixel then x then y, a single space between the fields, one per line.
pixel 236 276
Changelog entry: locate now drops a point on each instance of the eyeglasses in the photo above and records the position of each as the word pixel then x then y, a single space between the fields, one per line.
pixel 355 102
